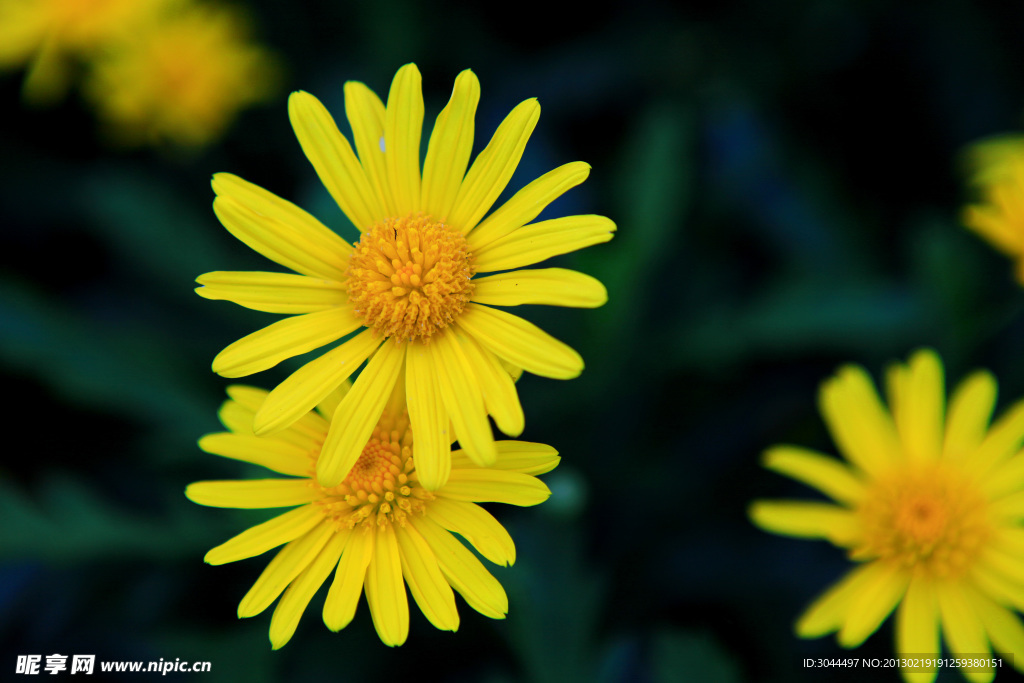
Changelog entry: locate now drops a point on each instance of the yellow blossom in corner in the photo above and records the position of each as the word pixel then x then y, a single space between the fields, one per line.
pixel 929 504
pixel 181 78
pixel 375 529
pixel 409 287
pixel 996 169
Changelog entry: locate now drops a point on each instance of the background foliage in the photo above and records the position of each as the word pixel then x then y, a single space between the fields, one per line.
pixel 784 179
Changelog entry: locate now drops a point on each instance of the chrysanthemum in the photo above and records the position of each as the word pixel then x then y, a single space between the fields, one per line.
pixel 409 286
pixel 929 504
pixel 374 529
pixel 997 170
pixel 46 34
pixel 181 78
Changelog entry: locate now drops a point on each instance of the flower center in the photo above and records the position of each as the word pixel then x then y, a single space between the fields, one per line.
pixel 410 277
pixel 382 487
pixel 930 520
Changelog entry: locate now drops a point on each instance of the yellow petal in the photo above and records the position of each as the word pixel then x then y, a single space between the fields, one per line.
pixel 358 413
pixel 331 401
pixel 462 397
pixel 917 626
pixel 1003 627
pixel 385 592
pixel 403 125
pixel 307 386
pixel 296 598
pixel 486 485
pixel 826 474
pixel 427 584
pixel 917 397
pixel 519 342
pixel 962 629
pixel 450 146
pixel 515 456
pixel 540 241
pixel 859 424
pixel 463 570
pixel 831 609
pixel 279 456
pixel 343 596
pixel 551 286
pixel 334 161
pixel 970 409
pixel 274 343
pixel 477 526
pixel 493 168
pixel 272 292
pixel 252 493
pixel 501 399
pixel 283 569
pixel 315 252
pixel 804 519
pixel 1003 439
pixel 266 536
pixel 365 114
pixel 527 204
pixel 428 417
pixel 877 598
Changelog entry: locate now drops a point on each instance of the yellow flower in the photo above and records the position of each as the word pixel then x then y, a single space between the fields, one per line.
pixel 375 528
pixel 930 507
pixel 47 33
pixel 997 170
pixel 409 284
pixel 181 78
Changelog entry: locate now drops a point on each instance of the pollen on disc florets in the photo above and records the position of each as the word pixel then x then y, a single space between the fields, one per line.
pixel 928 520
pixel 410 277
pixel 382 488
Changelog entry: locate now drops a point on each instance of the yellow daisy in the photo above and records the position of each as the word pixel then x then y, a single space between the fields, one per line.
pixel 374 529
pixel 997 168
pixel 181 78
pixel 409 286
pixel 46 34
pixel 928 504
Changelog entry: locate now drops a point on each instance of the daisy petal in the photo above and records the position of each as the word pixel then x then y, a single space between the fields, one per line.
pixel 292 246
pixel 280 456
pixel 266 536
pixel 296 598
pixel 403 125
pixel 307 386
pixel 427 584
pixel 464 571
pixel 826 474
pixel 515 456
pixel 477 526
pixel 499 391
pixel 494 166
pixel 917 395
pixel 283 569
pixel 804 519
pixel 486 485
pixel 1003 439
pixel 450 146
pixel 519 342
pixel 528 203
pixel 272 292
pixel 334 161
pixel 857 420
pixel 365 114
pixel 1004 628
pixel 962 629
pixel 428 417
pixel 875 602
pixel 917 626
pixel 252 493
pixel 540 241
pixel 343 596
pixel 462 399
pixel 274 343
pixel 831 609
pixel 550 286
pixel 970 409
pixel 385 592
pixel 357 414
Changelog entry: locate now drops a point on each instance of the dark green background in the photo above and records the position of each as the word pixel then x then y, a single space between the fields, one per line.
pixel 784 177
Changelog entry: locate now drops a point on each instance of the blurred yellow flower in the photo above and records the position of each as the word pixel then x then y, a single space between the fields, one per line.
pixel 930 505
pixel 374 528
pixel 181 78
pixel 47 34
pixel 997 170
pixel 408 285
